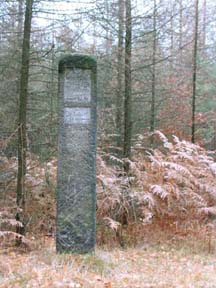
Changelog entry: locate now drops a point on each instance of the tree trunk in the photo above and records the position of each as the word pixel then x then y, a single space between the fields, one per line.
pixel 108 36
pixel 120 72
pixel 195 70
pixel 204 25
pixel 180 31
pixel 152 124
pixel 128 96
pixel 20 22
pixel 172 39
pixel 180 25
pixel 23 92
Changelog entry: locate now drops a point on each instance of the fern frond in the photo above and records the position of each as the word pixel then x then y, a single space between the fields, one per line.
pixel 213 168
pixel 144 198
pixel 177 167
pixel 11 222
pixel 210 190
pixel 114 225
pixel 209 211
pixel 163 139
pixel 116 159
pixel 205 159
pixel 159 191
pixel 175 139
pixel 13 236
pixel 172 189
pixel 183 156
pixel 194 199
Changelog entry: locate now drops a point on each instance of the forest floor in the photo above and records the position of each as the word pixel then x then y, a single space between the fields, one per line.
pixel 177 261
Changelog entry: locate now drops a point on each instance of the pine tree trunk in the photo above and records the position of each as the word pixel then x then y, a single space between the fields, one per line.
pixel 171 39
pixel 204 25
pixel 152 124
pixel 20 22
pixel 23 92
pixel 120 72
pixel 195 70
pixel 180 27
pixel 128 96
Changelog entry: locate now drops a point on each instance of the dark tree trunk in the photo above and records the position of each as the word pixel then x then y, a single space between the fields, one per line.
pixel 23 92
pixel 172 40
pixel 128 96
pixel 152 124
pixel 20 21
pixel 120 72
pixel 180 26
pixel 204 25
pixel 195 70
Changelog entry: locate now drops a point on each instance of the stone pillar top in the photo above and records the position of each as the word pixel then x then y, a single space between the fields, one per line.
pixel 77 61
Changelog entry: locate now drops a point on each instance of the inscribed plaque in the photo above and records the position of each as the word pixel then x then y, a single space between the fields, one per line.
pixel 77 85
pixel 78 115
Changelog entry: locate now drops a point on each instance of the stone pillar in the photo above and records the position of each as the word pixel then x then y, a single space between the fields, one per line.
pixel 76 180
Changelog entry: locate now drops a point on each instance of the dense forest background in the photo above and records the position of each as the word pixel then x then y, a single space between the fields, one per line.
pixel 172 46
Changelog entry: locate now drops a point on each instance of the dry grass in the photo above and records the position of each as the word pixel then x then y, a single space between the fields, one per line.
pixel 172 261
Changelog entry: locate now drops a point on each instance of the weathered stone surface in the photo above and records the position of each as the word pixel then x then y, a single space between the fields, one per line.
pixel 77 86
pixel 77 115
pixel 76 188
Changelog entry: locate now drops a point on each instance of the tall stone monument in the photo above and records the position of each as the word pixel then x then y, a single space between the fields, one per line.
pixel 76 180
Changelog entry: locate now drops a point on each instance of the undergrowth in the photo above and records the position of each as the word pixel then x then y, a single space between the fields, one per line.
pixel 171 184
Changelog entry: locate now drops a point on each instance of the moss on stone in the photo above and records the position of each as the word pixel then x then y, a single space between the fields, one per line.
pixel 81 61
